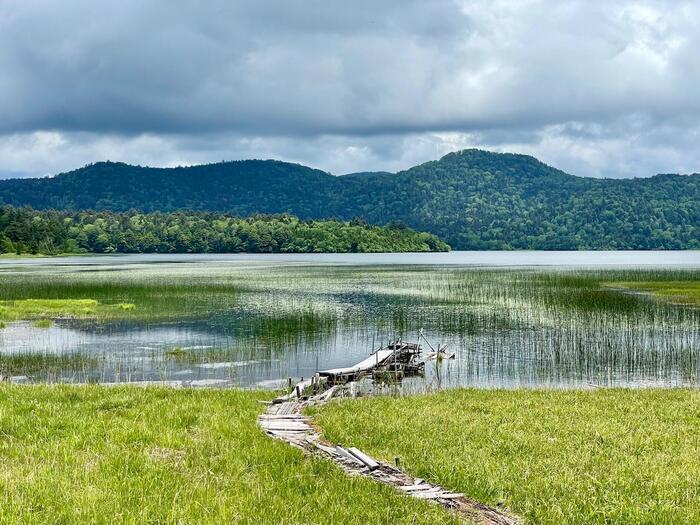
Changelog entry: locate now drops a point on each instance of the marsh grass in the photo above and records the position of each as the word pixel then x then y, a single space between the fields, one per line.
pixel 45 365
pixel 682 292
pixel 212 355
pixel 553 456
pixel 177 353
pixel 113 295
pixel 26 309
pixel 90 454
pixel 541 323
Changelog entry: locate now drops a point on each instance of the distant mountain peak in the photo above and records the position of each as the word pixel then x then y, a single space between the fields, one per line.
pixel 472 198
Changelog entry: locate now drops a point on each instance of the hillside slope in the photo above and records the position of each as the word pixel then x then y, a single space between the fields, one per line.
pixel 473 199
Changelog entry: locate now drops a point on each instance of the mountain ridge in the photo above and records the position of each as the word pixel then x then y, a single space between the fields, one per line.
pixel 473 199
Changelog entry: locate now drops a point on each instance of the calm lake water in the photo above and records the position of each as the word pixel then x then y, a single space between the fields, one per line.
pixel 512 318
pixel 675 258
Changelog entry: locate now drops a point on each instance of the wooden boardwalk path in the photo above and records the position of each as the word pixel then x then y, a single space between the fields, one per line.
pixel 285 420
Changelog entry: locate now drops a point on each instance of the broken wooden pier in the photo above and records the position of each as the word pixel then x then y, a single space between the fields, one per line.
pixel 284 419
pixel 399 358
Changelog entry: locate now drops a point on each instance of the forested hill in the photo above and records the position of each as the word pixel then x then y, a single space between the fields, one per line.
pixel 23 230
pixel 473 199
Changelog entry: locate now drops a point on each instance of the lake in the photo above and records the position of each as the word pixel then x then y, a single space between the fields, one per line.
pixel 675 258
pixel 513 319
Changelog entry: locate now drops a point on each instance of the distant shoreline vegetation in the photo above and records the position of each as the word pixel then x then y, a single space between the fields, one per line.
pixel 473 199
pixel 27 231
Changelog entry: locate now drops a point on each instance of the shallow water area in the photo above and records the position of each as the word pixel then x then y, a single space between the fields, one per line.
pixel 513 319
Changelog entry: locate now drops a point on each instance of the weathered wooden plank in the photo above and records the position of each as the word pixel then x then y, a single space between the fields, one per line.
pixel 321 446
pixel 282 417
pixel 451 495
pixel 412 488
pixel 365 365
pixel 288 435
pixel 427 494
pixel 325 396
pixel 368 461
pixel 282 422
pixel 345 454
pixel 287 426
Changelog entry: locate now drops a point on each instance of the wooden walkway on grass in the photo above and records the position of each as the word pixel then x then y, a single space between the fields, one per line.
pixel 284 419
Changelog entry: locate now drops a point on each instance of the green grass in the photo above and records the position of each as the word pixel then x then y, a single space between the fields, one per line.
pixel 558 323
pixel 43 364
pixel 90 454
pixel 25 309
pixel 583 457
pixel 683 292
pixel 64 308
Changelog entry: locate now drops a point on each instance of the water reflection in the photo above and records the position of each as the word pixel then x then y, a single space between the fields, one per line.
pixel 514 358
pixel 246 322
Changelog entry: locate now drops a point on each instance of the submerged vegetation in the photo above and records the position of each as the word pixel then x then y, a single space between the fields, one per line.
pixel 23 230
pixel 584 457
pixel 88 454
pixel 514 326
pixel 47 365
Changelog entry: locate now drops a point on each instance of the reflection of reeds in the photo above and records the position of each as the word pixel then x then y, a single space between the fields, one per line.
pixel 44 365
pixel 538 322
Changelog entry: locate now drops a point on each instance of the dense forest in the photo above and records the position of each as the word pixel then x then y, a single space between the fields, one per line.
pixel 473 199
pixel 24 230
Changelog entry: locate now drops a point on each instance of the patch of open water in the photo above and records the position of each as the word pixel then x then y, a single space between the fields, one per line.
pixel 496 358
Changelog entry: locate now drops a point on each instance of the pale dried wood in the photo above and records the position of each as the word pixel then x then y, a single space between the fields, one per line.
pixel 368 461
pixel 307 439
pixel 284 420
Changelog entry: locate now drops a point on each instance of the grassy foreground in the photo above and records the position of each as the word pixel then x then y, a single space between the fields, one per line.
pixel 89 454
pixel 583 457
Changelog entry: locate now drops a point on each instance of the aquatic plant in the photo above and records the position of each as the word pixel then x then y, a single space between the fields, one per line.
pixel 511 326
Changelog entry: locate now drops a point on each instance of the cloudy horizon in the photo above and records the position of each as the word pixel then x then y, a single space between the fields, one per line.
pixel 591 87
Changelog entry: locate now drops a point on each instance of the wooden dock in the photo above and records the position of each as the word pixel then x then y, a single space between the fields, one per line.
pixel 284 419
pixel 397 357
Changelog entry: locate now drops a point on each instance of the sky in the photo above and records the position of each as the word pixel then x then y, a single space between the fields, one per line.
pixel 596 88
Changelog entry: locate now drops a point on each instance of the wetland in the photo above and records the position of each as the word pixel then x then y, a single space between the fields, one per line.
pixel 563 319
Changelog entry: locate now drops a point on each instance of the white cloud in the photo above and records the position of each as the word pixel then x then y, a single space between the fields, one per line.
pixel 594 87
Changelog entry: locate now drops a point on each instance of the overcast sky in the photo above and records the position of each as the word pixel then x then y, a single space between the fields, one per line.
pixel 597 88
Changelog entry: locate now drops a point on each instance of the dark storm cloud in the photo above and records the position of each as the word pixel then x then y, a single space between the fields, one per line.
pixel 588 85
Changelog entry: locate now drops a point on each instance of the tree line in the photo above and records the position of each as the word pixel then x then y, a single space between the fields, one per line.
pixel 471 199
pixel 28 231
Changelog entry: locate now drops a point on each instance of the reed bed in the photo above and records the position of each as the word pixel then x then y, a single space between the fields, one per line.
pixel 571 324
